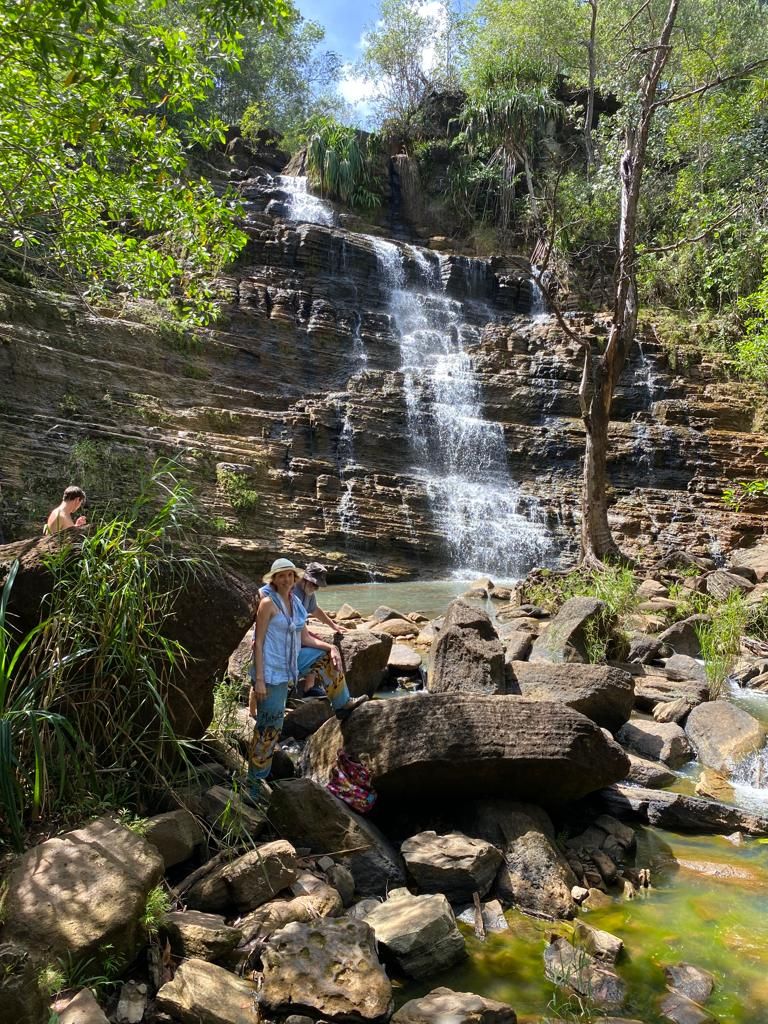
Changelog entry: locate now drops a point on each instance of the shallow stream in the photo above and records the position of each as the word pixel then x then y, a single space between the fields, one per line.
pixel 708 904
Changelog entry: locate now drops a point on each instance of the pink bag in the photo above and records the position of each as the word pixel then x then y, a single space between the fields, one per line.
pixel 351 782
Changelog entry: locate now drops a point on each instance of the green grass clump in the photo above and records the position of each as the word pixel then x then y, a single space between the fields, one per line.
pixel 156 908
pixel 234 486
pixel 720 640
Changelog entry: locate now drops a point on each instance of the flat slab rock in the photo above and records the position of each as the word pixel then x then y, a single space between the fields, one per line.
pixel 204 992
pixel 602 693
pixel 419 932
pixel 81 1009
pixel 452 864
pixel 443 1004
pixel 81 890
pixel 427 745
pixel 676 811
pixel 680 1009
pixel 327 969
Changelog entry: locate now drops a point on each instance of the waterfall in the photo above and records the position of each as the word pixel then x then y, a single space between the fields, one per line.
pixel 538 302
pixel 302 205
pixel 459 456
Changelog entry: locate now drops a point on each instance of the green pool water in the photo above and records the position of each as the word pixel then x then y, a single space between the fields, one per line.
pixel 718 923
pixel 430 597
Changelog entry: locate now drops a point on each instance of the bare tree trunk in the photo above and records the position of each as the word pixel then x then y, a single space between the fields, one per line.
pixel 589 114
pixel 597 543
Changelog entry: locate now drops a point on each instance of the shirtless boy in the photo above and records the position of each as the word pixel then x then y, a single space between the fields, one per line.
pixel 63 516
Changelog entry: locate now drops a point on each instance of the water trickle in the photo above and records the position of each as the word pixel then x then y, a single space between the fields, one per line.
pixel 538 302
pixel 302 205
pixel 459 456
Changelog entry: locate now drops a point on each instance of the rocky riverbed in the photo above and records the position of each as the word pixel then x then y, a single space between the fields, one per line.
pixel 536 853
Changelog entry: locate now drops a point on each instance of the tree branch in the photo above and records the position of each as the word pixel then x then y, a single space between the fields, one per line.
pixel 720 80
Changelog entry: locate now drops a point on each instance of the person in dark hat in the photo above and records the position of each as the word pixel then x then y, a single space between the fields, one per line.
pixel 306 590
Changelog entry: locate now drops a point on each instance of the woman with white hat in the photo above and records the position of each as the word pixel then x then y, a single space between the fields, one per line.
pixel 279 635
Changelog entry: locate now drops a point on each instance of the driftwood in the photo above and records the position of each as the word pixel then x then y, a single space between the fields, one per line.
pixel 675 811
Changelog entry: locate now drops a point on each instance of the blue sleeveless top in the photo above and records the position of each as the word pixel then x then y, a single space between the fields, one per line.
pixel 282 641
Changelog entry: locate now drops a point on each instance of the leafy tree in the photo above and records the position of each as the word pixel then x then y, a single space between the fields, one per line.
pixel 410 50
pixel 96 124
pixel 280 81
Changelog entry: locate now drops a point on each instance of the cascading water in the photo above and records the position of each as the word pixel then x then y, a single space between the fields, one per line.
pixel 459 456
pixel 302 205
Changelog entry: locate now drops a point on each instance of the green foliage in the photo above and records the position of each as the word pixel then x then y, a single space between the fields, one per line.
pixel 97 117
pixel 505 114
pixel 752 349
pixel 100 973
pixel 157 906
pixel 226 704
pixel 339 162
pixel 615 586
pixel 746 490
pixel 393 59
pixel 35 740
pixel 280 81
pixel 51 979
pixel 83 696
pixel 234 486
pixel 720 639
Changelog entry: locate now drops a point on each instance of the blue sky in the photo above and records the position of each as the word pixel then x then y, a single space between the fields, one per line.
pixel 343 20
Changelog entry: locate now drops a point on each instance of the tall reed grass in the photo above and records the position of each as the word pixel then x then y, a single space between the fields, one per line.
pixel 83 696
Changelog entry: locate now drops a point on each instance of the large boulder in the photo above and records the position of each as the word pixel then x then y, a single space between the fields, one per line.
pixel 210 610
pixel 755 558
pixel 246 882
pixel 662 741
pixel 535 877
pixel 73 895
pixel 418 932
pixel 200 991
pixel 176 835
pixel 365 656
pixel 602 693
pixel 723 734
pixel 721 583
pixel 327 969
pixel 307 814
pixel 452 864
pixel 429 745
pixel 443 1004
pixel 565 637
pixel 463 661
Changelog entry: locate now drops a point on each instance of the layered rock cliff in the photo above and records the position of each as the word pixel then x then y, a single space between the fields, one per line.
pixel 306 429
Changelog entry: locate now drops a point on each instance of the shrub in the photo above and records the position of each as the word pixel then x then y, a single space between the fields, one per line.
pixel 235 487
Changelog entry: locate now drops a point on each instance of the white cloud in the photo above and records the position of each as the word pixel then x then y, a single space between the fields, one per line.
pixel 356 88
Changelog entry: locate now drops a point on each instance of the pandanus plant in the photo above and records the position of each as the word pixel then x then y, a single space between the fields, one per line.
pixel 507 112
pixel 338 162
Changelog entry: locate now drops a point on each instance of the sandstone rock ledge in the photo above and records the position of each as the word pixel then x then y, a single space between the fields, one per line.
pixel 444 745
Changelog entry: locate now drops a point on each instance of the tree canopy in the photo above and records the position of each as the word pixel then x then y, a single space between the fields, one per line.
pixel 98 117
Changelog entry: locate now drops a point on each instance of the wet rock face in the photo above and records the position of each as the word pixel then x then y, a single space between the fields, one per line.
pixel 300 393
